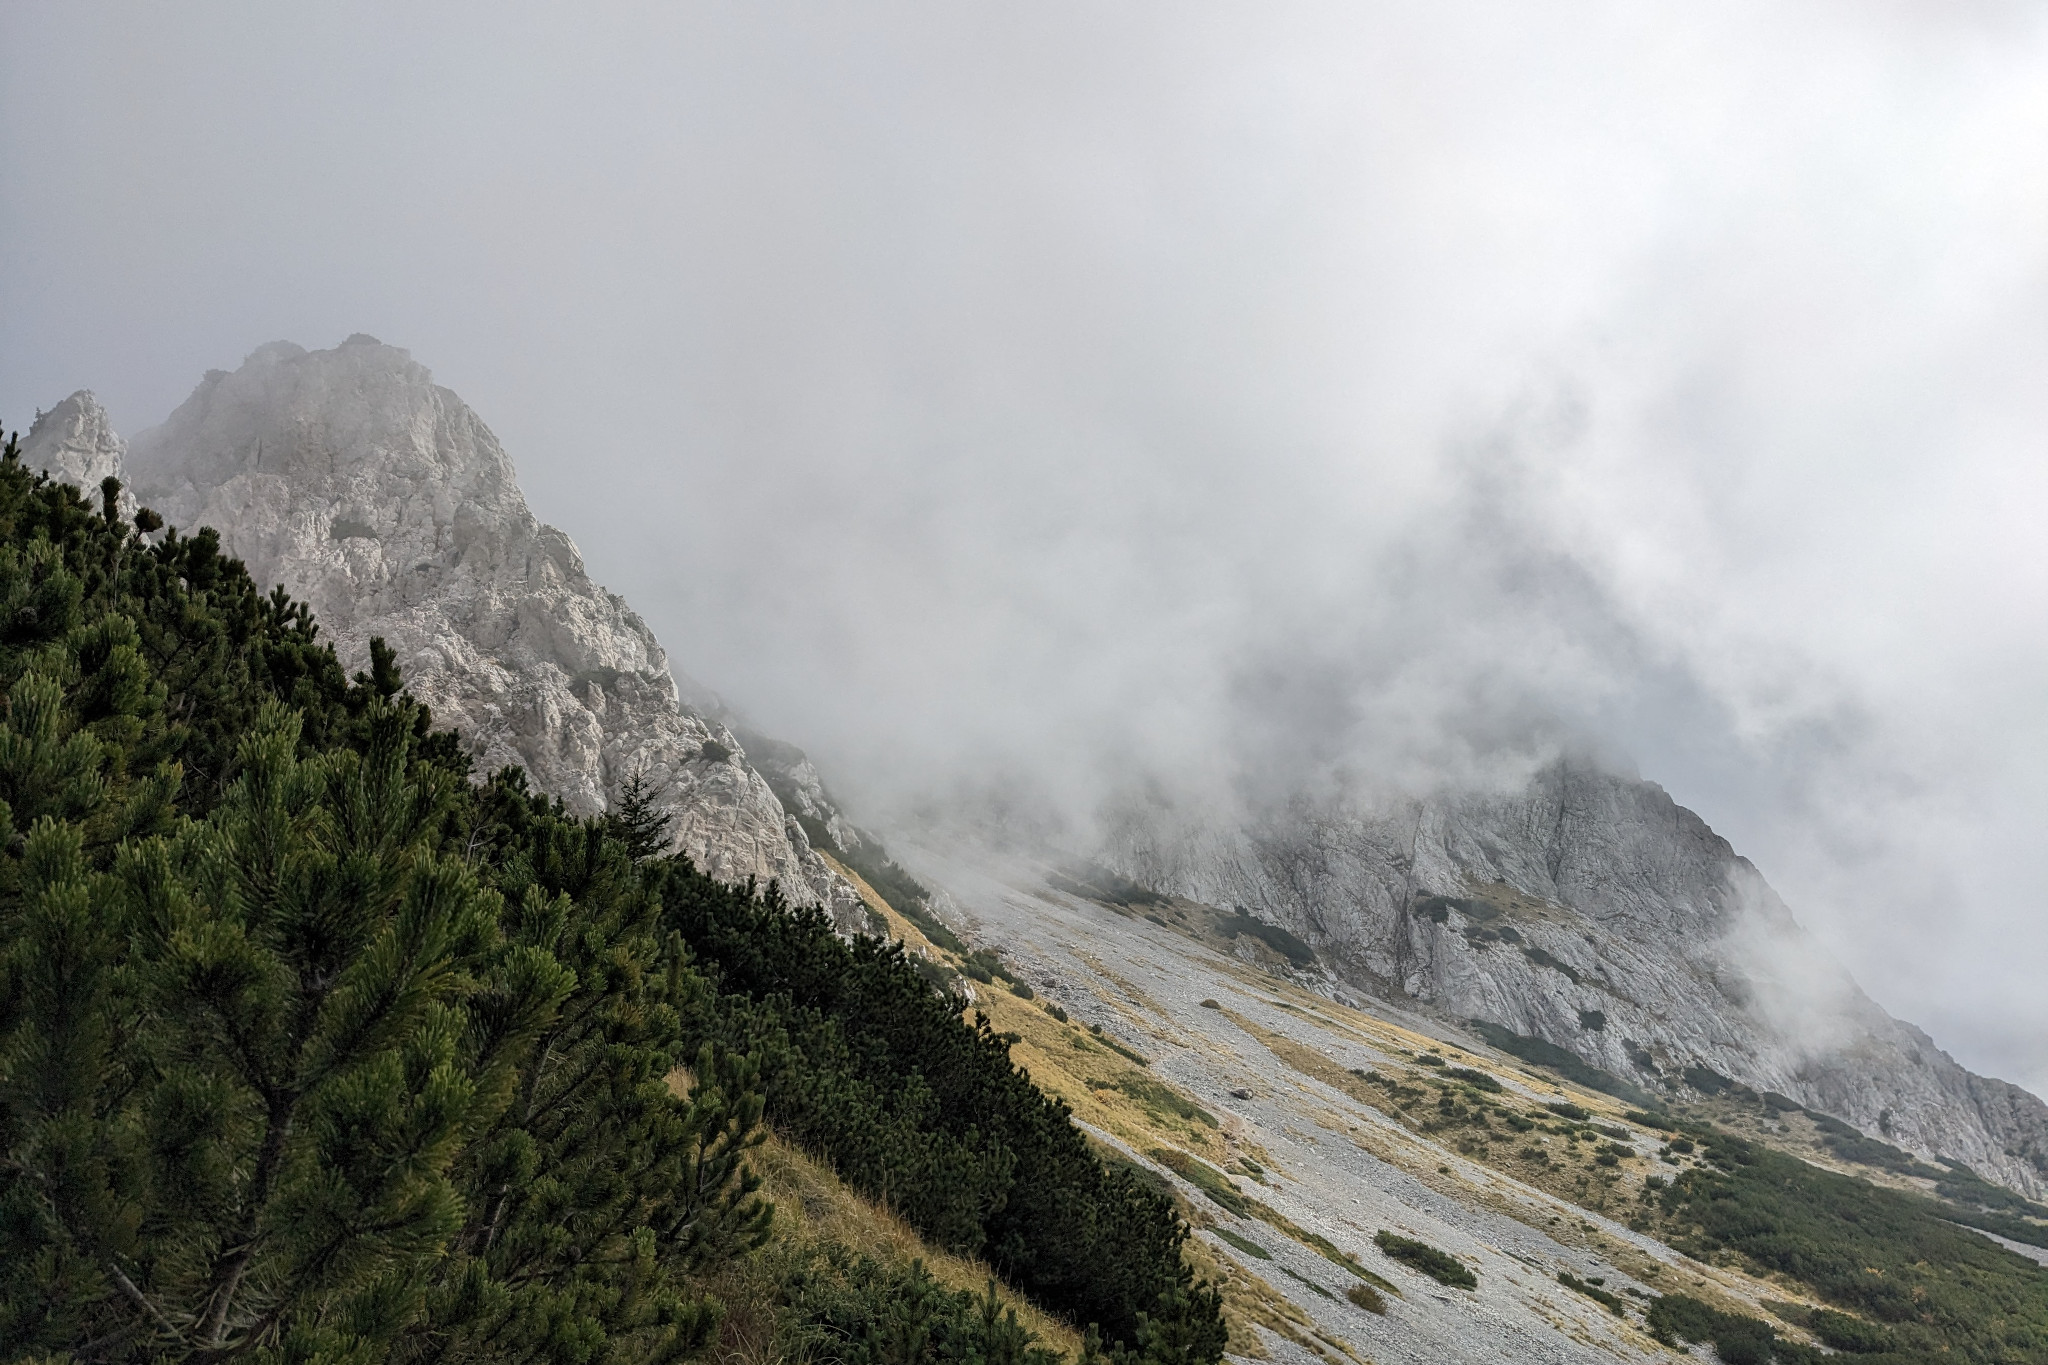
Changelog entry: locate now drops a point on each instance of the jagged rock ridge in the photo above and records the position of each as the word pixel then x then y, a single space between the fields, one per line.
pixel 1590 910
pixel 381 499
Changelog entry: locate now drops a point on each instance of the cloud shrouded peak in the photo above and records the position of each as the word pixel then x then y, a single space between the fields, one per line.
pixel 1234 398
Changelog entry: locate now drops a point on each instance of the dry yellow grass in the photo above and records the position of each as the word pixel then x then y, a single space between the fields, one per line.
pixel 813 1205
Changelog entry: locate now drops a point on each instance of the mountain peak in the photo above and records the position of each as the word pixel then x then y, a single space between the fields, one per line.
pixel 387 504
pixel 75 442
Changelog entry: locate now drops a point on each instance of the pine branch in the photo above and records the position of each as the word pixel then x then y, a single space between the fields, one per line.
pixel 140 1300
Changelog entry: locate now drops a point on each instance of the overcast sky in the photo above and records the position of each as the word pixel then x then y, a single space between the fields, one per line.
pixel 1082 389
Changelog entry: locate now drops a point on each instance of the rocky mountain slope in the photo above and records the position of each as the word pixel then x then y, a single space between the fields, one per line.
pixel 381 499
pixel 1589 910
pixel 1275 1015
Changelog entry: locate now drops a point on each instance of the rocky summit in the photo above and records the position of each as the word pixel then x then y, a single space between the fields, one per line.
pixel 352 479
pixel 75 442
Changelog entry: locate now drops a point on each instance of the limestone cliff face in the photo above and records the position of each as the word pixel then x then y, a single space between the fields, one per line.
pixel 1592 911
pixel 381 499
pixel 74 442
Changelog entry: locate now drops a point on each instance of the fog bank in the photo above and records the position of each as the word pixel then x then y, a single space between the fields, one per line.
pixel 1232 396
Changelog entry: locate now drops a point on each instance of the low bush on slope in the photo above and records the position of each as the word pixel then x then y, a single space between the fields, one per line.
pixel 311 1048
pixel 1439 1265
pixel 1938 1291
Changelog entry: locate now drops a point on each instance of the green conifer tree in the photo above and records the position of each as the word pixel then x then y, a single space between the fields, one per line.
pixel 636 821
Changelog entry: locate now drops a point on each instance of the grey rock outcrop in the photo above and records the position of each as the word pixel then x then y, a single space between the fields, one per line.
pixel 1590 910
pixel 75 442
pixel 382 500
pixel 801 788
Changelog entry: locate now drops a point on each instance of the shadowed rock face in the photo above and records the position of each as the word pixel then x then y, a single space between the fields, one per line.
pixel 1592 911
pixel 382 500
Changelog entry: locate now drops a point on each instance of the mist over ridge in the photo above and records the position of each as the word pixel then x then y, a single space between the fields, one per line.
pixel 1077 402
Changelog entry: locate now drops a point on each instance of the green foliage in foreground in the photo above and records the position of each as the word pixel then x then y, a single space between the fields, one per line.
pixel 293 1079
pixel 1891 1258
pixel 868 1066
pixel 311 1049
pixel 853 1309
pixel 1439 1265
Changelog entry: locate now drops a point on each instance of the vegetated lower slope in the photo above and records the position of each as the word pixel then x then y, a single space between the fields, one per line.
pixel 311 1047
pixel 1905 1282
pixel 1802 1234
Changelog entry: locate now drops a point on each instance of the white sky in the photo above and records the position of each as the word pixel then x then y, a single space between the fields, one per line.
pixel 1079 389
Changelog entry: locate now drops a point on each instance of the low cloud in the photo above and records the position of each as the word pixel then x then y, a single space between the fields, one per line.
pixel 1236 400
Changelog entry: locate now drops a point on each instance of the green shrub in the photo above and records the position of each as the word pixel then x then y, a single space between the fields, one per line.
pixel 1613 1302
pixel 1478 1080
pixel 1244 1244
pixel 1366 1297
pixel 881 1077
pixel 1243 922
pixel 1306 1283
pixel 1203 1177
pixel 1543 959
pixel 1707 1081
pixel 1437 909
pixel 1845 1333
pixel 1162 1100
pixel 1440 1266
pixel 1677 1318
pixel 1091 882
pixel 289 1017
pixel 1885 1256
pixel 1565 1109
pixel 1109 1041
pixel 836 1305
